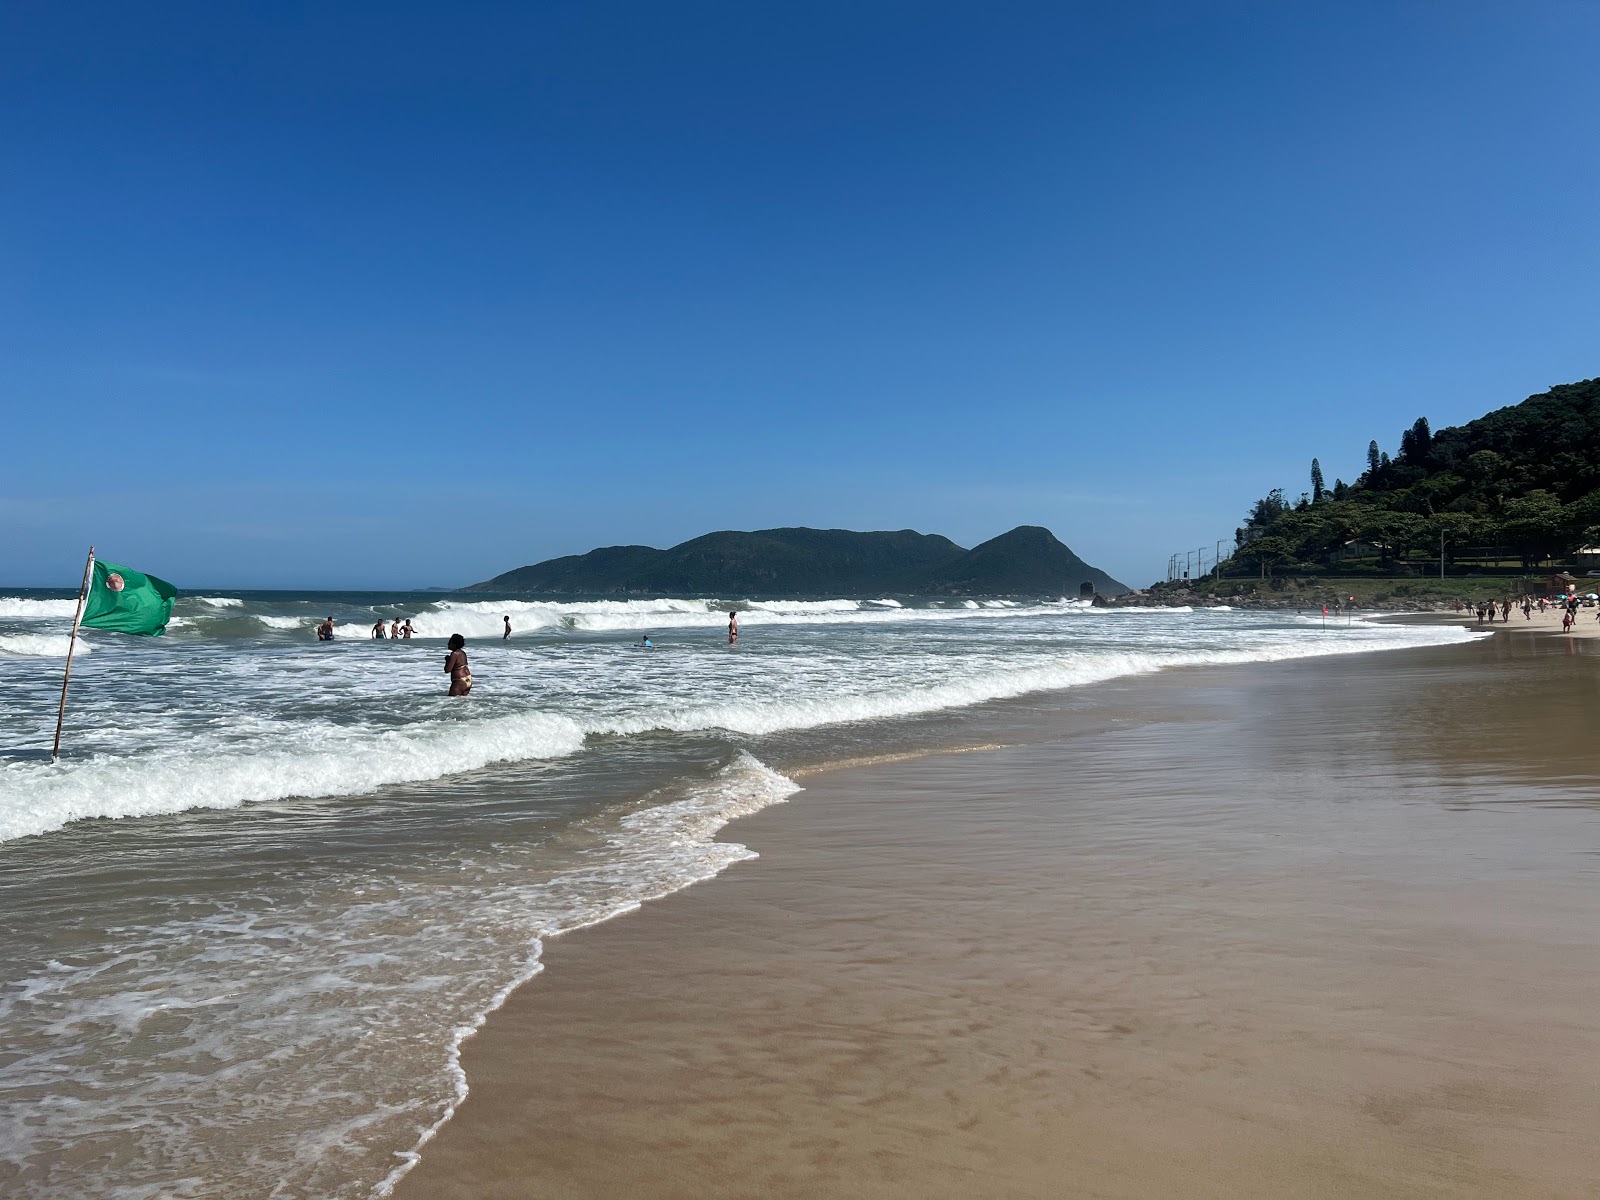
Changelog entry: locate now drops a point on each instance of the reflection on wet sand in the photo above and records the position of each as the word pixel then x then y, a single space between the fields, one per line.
pixel 1323 929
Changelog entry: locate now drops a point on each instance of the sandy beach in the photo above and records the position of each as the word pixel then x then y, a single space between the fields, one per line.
pixel 1584 626
pixel 1323 929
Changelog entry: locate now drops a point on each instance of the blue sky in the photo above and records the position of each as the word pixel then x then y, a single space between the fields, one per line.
pixel 406 295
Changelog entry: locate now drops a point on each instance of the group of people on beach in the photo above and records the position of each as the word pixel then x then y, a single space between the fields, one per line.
pixel 455 662
pixel 1488 610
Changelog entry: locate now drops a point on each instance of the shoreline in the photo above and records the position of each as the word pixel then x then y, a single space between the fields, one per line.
pixel 607 1082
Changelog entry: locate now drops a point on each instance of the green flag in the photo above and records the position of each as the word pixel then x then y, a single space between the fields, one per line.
pixel 127 601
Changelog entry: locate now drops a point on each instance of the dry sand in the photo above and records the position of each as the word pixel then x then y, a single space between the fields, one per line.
pixel 1549 621
pixel 1322 929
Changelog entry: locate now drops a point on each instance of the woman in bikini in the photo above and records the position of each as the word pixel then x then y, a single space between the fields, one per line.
pixel 456 664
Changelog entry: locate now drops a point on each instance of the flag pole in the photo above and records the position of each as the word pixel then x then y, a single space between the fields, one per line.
pixel 72 644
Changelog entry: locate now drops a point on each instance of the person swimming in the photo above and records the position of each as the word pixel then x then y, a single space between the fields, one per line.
pixel 456 664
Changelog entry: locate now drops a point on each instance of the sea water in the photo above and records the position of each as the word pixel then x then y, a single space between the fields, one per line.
pixel 273 882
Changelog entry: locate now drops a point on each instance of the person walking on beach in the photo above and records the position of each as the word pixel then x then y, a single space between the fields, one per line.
pixel 455 663
pixel 733 628
pixel 507 633
pixel 1566 621
pixel 325 631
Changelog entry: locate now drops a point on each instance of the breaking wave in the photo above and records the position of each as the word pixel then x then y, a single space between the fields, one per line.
pixel 39 645
pixel 20 608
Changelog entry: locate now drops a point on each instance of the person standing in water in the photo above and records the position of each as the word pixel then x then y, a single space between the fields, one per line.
pixel 394 630
pixel 455 663
pixel 406 631
pixel 733 628
pixel 507 633
pixel 377 630
pixel 325 631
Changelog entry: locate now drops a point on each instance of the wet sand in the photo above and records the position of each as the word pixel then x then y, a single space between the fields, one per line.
pixel 1328 928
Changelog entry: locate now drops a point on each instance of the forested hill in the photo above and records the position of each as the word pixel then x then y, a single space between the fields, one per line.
pixel 1523 481
pixel 819 562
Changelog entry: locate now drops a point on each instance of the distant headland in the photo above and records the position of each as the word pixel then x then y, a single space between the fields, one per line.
pixel 1029 560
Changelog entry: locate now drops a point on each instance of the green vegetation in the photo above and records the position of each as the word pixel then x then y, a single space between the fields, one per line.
pixel 819 562
pixel 1515 492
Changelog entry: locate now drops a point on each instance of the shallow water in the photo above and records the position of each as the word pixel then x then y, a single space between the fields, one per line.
pixel 324 871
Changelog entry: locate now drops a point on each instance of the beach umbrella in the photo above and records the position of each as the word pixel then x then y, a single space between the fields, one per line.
pixel 1593 596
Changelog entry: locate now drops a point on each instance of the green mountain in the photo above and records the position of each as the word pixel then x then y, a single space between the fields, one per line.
pixel 1510 490
pixel 813 562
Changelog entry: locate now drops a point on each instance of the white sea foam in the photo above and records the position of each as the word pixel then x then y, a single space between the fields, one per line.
pixel 661 849
pixel 329 1009
pixel 219 601
pixel 558 703
pixel 322 761
pixel 18 607
pixel 276 622
pixel 39 645
pixel 480 620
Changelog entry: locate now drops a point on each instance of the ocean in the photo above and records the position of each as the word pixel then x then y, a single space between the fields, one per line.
pixel 273 883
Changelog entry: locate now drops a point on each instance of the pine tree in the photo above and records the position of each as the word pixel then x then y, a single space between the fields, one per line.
pixel 1316 482
pixel 1372 455
pixel 1421 440
pixel 1341 489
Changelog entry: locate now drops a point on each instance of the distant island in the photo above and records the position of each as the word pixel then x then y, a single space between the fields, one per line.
pixel 1027 561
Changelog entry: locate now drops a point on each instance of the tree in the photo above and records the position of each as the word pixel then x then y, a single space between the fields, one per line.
pixel 1316 482
pixel 1341 489
pixel 1266 551
pixel 1267 510
pixel 1421 441
pixel 1372 457
pixel 1535 526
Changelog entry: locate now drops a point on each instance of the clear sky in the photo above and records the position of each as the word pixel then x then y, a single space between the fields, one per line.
pixel 406 295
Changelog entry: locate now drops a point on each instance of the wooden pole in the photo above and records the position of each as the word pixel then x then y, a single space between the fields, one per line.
pixel 72 644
